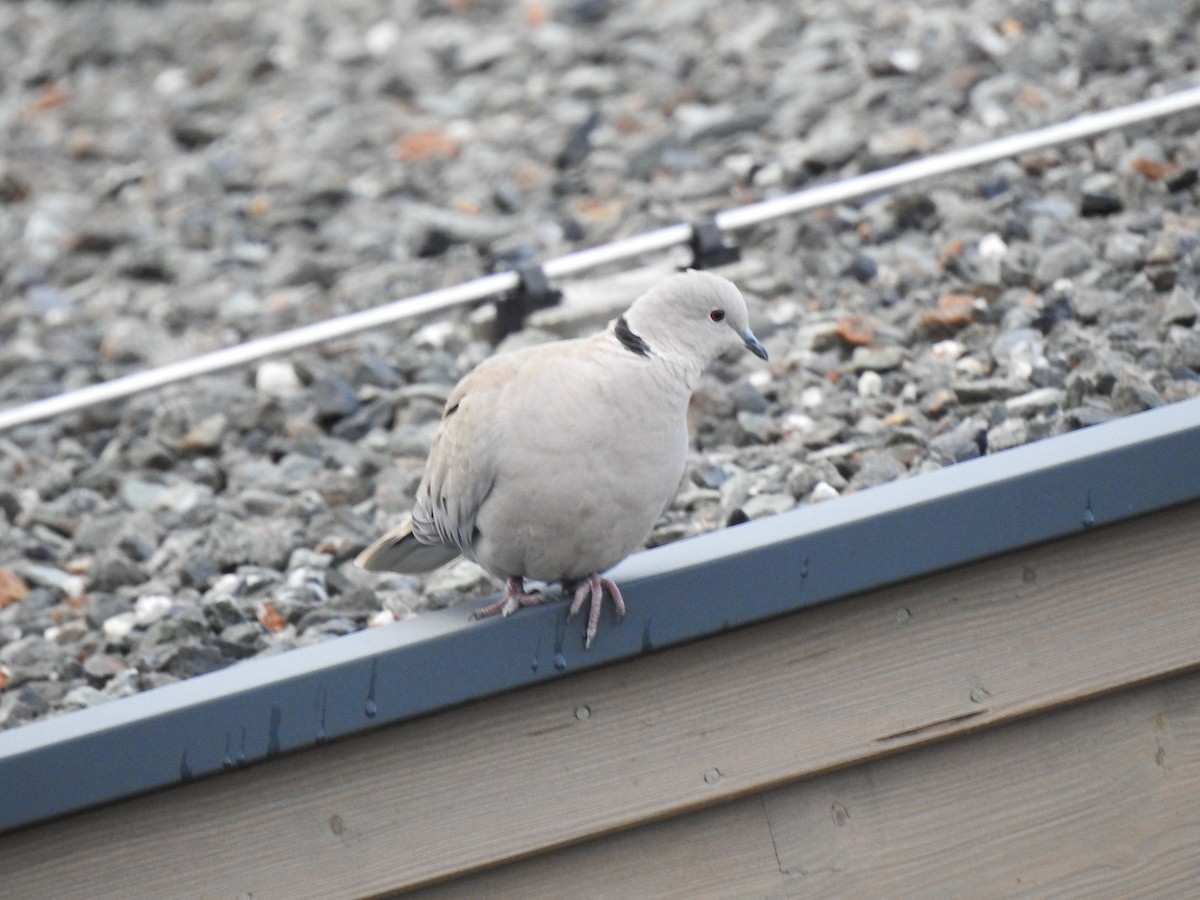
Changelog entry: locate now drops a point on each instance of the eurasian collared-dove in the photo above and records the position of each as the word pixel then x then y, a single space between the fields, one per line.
pixel 554 462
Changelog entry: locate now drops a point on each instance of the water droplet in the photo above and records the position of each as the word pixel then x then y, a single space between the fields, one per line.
pixel 560 661
pixel 1089 518
pixel 371 708
pixel 534 664
pixel 272 731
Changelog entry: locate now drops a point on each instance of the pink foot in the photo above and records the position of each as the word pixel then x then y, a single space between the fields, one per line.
pixel 514 598
pixel 594 587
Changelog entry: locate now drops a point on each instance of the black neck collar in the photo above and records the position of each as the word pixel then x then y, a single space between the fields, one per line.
pixel 629 340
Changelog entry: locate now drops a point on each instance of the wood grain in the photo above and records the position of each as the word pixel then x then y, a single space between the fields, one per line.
pixel 640 741
pixel 1097 800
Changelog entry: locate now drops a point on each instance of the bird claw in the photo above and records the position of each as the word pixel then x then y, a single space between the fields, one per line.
pixel 593 587
pixel 513 599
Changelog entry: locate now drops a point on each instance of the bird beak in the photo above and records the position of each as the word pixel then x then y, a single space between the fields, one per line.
pixel 753 344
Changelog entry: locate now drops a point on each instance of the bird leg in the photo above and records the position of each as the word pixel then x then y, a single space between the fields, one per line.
pixel 514 598
pixel 594 587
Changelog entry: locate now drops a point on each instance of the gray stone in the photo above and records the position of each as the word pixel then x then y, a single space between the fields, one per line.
pixel 335 399
pixel 1100 195
pixel 817 335
pixel 984 389
pixel 1008 434
pixel 33 658
pixel 85 695
pixel 1042 400
pixel 1182 308
pixel 100 667
pixel 1093 412
pixel 1070 257
pixel 1125 249
pixel 163 640
pixel 207 433
pixel 961 443
pixel 191 660
pixel 112 570
pixel 877 359
pixel 762 505
pixel 50 577
pixel 758 426
pixel 876 467
pixel 141 495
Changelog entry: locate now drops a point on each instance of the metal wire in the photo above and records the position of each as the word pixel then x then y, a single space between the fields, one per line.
pixel 240 354
pixel 616 251
pixel 955 160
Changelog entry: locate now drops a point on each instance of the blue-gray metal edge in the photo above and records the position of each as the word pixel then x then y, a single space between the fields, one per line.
pixel 687 590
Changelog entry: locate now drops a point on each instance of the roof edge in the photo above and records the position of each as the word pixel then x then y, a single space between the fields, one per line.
pixel 692 589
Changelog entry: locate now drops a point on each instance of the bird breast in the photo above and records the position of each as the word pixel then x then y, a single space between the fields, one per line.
pixel 577 491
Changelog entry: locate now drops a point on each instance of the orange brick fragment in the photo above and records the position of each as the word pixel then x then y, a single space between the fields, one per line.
pixel 953 249
pixel 13 588
pixel 1153 169
pixel 270 618
pixel 857 331
pixel 426 145
pixel 953 311
pixel 50 96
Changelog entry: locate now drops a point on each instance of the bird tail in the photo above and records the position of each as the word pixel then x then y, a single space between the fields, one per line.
pixel 400 551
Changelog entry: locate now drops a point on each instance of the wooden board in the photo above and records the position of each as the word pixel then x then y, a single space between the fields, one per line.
pixel 1097 800
pixel 657 736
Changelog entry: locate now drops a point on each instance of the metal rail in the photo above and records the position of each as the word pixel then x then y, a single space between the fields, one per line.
pixel 617 251
pixel 691 589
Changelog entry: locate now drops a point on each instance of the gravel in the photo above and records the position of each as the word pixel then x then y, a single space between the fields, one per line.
pixel 177 177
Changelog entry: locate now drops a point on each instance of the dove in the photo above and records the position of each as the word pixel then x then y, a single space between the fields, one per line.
pixel 553 463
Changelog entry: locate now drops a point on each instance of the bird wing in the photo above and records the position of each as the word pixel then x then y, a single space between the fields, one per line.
pixel 400 551
pixel 461 468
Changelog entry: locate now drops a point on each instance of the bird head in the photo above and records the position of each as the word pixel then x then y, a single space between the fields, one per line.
pixel 696 315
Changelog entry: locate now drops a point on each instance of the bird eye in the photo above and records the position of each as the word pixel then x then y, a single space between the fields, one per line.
pixel 717 315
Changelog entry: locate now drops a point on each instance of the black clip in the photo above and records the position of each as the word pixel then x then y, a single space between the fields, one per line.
pixel 709 248
pixel 533 292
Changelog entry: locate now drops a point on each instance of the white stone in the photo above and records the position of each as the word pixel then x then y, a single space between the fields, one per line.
pixel 435 334
pixel 382 37
pixel 870 384
pixel 151 608
pixel 277 378
pixel 992 246
pixel 812 397
pixel 947 351
pixel 821 492
pixel 117 627
pixel 383 617
pixel 170 82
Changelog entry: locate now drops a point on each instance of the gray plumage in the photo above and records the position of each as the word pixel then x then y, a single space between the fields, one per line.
pixel 554 462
